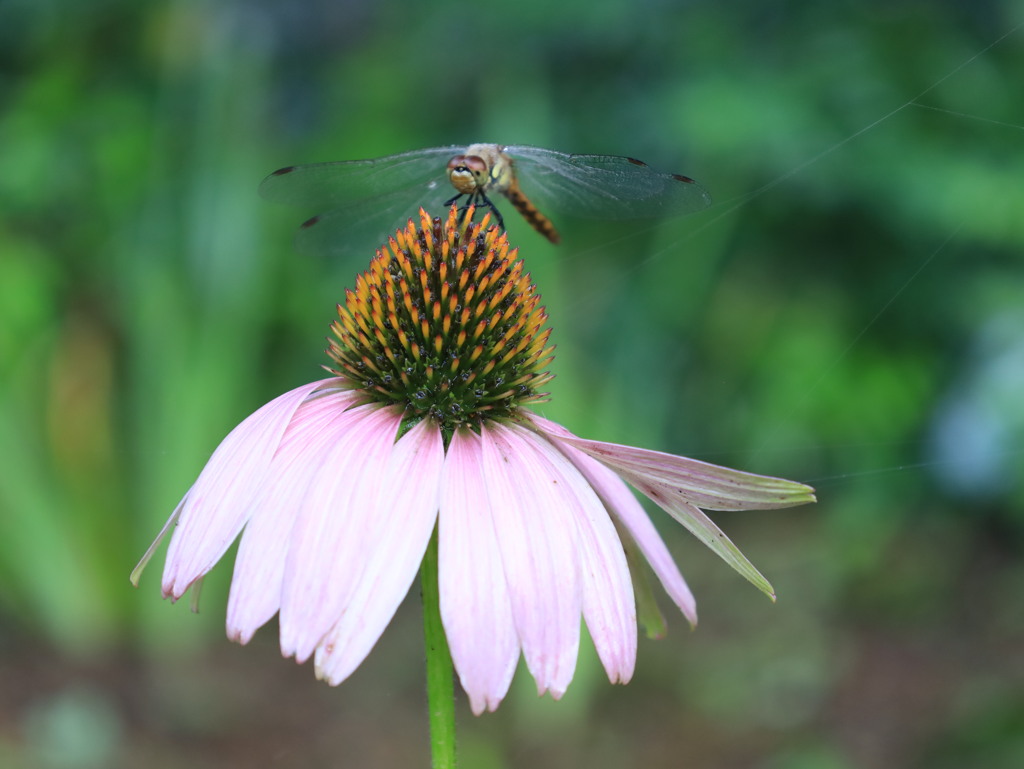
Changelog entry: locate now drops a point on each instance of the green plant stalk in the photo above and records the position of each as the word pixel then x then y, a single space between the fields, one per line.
pixel 440 687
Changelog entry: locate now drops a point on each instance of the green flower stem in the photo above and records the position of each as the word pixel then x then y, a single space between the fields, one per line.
pixel 440 687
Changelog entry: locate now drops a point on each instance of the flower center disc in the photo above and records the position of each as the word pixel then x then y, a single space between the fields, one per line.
pixel 446 324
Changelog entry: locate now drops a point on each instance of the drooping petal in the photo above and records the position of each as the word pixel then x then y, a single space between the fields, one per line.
pixel 136 574
pixel 537 539
pixel 702 527
pixel 475 606
pixel 325 550
pixel 259 566
pixel 218 504
pixel 698 483
pixel 620 501
pixel 609 607
pixel 400 524
pixel 678 485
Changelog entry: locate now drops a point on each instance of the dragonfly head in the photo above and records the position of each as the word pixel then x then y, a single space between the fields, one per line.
pixel 468 173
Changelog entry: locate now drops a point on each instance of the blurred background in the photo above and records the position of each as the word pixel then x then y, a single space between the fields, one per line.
pixel 849 313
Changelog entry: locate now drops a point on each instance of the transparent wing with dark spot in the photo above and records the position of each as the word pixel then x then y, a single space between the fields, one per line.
pixel 603 186
pixel 333 185
pixel 359 202
pixel 360 228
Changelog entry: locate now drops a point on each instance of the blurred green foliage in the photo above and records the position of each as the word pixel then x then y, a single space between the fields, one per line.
pixel 849 313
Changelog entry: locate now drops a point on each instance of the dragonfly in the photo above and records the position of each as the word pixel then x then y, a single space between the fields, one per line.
pixel 364 198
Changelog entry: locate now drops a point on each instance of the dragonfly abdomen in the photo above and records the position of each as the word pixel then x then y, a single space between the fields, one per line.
pixel 529 212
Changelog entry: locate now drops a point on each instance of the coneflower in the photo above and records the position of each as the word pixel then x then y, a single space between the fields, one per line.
pixel 337 486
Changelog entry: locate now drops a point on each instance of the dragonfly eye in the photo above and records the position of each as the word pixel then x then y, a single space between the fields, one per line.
pixel 467 173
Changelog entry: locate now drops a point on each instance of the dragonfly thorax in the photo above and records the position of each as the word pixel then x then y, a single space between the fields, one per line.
pixel 485 169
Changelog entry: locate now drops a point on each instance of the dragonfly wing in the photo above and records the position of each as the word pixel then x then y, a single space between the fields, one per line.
pixel 361 202
pixel 333 185
pixel 363 226
pixel 603 186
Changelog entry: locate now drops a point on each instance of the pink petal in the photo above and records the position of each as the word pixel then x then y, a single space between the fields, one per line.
pixel 608 603
pixel 620 501
pixel 537 538
pixel 698 483
pixel 218 504
pixel 325 552
pixel 678 485
pixel 401 521
pixel 259 566
pixel 475 607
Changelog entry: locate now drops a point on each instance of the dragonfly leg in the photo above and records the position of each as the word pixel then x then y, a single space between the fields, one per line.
pixel 479 200
pixel 485 202
pixel 470 199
